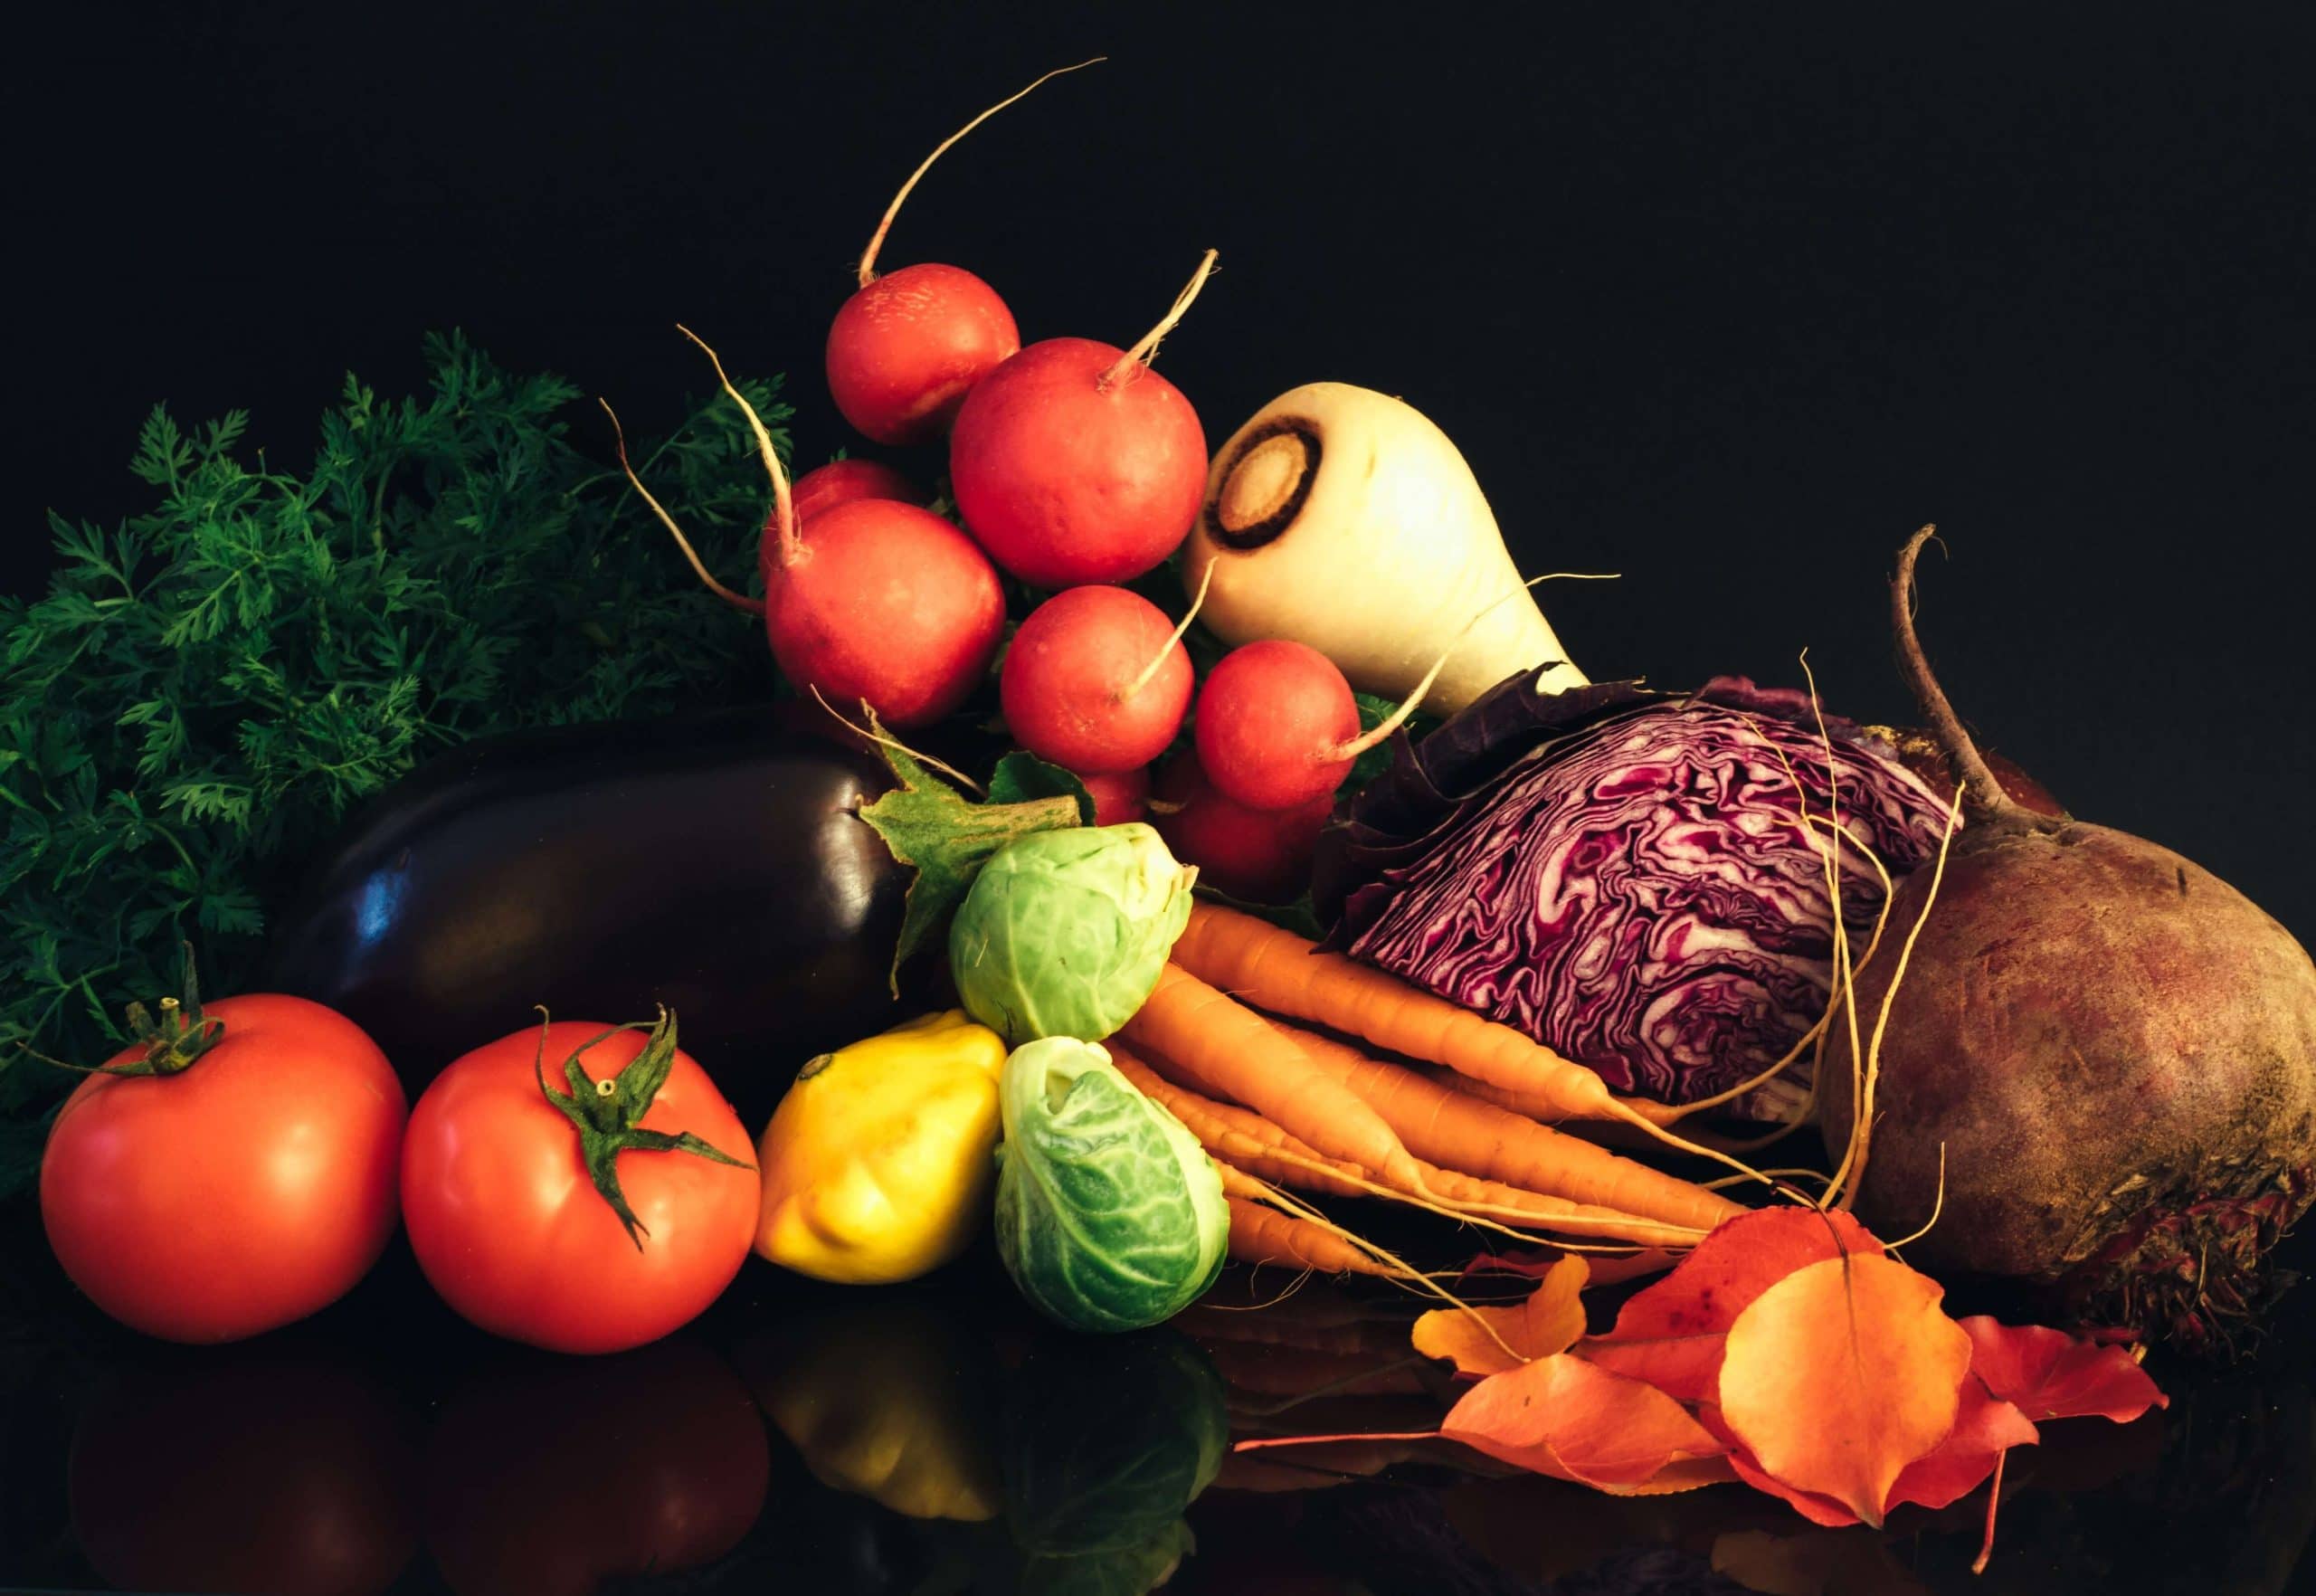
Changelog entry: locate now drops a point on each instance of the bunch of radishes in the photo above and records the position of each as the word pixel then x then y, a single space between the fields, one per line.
pixel 1075 467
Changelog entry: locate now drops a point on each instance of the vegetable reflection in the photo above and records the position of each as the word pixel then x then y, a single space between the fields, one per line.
pixel 269 1471
pixel 887 1397
pixel 550 1476
pixel 1105 1445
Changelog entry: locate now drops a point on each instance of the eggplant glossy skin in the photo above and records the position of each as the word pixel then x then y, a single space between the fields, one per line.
pixel 712 863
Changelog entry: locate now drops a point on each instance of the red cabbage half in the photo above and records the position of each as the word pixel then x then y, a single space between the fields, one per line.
pixel 1622 874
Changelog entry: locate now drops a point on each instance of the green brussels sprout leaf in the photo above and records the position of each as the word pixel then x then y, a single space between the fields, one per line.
pixel 1110 1216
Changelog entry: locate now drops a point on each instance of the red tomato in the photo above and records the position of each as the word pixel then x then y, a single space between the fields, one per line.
pixel 508 1228
pixel 283 1475
pixel 547 1478
pixel 247 1190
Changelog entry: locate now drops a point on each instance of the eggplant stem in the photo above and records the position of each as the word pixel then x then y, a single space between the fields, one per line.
pixel 1988 798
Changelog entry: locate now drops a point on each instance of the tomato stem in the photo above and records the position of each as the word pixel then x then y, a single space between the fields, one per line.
pixel 171 1044
pixel 608 1114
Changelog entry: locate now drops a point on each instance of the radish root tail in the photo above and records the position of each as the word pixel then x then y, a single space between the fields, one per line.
pixel 876 733
pixel 738 601
pixel 868 272
pixel 1146 349
pixel 783 510
pixel 1158 659
pixel 1398 717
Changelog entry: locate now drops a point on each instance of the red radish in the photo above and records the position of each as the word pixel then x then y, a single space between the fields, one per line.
pixel 840 482
pixel 904 349
pixel 1075 463
pixel 1258 856
pixel 876 600
pixel 1276 724
pixel 1119 796
pixel 1096 680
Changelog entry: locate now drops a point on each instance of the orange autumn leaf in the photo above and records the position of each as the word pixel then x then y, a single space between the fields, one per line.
pixel 1573 1420
pixel 1842 1373
pixel 1682 1474
pixel 1670 1334
pixel 1985 1427
pixel 1493 1340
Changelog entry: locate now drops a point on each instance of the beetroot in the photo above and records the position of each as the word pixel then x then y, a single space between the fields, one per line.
pixel 2116 1049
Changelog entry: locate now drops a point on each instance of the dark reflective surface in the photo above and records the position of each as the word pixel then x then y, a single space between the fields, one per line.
pixel 940 1439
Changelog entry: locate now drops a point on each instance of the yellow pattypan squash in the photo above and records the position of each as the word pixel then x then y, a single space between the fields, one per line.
pixel 877 1165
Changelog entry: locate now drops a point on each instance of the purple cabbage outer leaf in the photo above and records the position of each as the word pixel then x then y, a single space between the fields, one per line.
pixel 1623 874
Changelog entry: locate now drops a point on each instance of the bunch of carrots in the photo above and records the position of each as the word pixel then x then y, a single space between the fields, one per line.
pixel 1230 1043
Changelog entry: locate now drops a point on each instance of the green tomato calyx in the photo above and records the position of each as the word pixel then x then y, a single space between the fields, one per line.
pixel 607 1113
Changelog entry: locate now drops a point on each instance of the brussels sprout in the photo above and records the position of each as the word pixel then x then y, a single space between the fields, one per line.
pixel 1109 1214
pixel 1064 933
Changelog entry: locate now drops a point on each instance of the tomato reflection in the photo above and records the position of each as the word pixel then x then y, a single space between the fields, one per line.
pixel 263 1471
pixel 549 1476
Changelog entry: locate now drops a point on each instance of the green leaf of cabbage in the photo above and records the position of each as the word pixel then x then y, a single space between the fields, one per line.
pixel 1064 932
pixel 1110 1216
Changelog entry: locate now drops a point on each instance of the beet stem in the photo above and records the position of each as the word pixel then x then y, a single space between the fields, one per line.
pixel 1988 799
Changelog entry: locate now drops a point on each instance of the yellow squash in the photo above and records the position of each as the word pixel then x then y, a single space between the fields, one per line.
pixel 877 1165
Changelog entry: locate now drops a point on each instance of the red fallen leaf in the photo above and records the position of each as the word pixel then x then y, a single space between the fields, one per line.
pixel 1671 1335
pixel 1494 1340
pixel 2051 1374
pixel 1842 1373
pixel 1985 1427
pixel 1574 1420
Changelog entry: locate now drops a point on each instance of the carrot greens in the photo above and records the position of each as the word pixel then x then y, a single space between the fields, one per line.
pixel 206 689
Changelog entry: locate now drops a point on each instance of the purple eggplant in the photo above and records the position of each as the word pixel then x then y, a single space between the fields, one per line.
pixel 712 863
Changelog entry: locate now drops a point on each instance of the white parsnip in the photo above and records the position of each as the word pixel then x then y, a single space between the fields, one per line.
pixel 1345 519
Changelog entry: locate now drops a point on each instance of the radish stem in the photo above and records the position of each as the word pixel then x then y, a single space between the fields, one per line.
pixel 738 601
pixel 868 272
pixel 1158 660
pixel 783 510
pixel 1398 717
pixel 876 734
pixel 1146 349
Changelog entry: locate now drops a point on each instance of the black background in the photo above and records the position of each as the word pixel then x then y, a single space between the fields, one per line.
pixel 1727 299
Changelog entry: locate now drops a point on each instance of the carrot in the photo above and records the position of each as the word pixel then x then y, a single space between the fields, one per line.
pixel 1447 1127
pixel 1239 1138
pixel 1232 1050
pixel 1261 1235
pixel 1246 1141
pixel 1619 1132
pixel 1276 970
